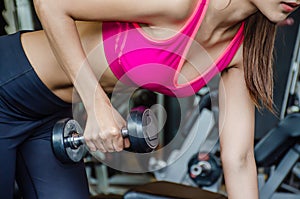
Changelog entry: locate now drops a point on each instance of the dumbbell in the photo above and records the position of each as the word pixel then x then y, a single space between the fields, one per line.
pixel 141 129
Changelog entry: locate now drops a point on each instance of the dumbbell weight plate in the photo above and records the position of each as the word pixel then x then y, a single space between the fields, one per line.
pixel 143 127
pixel 61 130
pixel 204 172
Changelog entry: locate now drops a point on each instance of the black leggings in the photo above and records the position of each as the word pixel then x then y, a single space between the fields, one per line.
pixel 28 111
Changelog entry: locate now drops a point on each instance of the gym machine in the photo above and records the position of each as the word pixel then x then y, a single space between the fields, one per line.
pixel 191 167
pixel 195 146
pixel 19 15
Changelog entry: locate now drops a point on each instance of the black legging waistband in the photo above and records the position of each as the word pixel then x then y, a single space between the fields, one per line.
pixel 21 90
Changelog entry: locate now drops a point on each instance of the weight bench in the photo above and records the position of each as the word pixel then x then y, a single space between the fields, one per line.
pixel 169 190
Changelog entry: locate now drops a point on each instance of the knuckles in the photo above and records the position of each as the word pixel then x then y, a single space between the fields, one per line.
pixel 111 139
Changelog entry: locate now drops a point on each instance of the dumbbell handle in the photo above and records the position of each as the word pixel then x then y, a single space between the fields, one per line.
pixel 74 142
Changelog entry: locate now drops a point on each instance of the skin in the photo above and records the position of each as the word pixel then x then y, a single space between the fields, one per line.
pixel 66 43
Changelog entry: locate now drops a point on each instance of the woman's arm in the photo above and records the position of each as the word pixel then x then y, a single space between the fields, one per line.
pixel 117 10
pixel 58 19
pixel 237 136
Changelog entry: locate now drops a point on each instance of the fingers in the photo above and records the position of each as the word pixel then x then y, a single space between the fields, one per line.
pixel 126 143
pixel 103 130
pixel 109 141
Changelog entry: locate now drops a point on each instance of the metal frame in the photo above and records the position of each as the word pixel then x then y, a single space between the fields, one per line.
pixel 18 15
pixel 293 76
pixel 268 190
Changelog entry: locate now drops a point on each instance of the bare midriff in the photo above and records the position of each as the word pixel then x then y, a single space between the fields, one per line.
pixel 42 59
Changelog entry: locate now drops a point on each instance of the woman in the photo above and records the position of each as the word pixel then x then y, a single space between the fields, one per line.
pixel 236 35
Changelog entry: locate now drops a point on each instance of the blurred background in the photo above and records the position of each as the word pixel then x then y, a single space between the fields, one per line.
pixel 191 129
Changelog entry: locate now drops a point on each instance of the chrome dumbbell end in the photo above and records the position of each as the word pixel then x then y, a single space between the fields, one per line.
pixel 74 141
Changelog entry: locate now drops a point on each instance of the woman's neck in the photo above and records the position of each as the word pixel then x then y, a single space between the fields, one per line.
pixel 228 13
pixel 224 17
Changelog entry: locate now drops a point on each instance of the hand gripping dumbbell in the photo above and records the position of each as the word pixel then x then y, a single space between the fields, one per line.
pixel 142 131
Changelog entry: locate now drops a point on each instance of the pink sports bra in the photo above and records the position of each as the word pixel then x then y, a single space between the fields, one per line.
pixel 139 60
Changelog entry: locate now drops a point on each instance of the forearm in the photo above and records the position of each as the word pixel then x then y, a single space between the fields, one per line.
pixel 241 178
pixel 64 39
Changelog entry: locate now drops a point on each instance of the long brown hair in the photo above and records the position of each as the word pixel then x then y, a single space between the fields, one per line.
pixel 258 48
